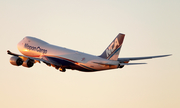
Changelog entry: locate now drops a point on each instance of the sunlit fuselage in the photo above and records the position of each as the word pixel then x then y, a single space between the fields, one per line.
pixel 70 59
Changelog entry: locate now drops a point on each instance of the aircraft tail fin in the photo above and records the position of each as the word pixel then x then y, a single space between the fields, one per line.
pixel 112 51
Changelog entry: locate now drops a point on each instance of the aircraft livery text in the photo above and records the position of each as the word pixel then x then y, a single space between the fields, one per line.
pixel 33 48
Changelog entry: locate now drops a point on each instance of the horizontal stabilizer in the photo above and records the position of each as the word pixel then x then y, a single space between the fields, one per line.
pixel 132 63
pixel 105 63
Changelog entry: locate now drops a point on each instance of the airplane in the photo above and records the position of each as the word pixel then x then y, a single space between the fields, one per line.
pixel 36 50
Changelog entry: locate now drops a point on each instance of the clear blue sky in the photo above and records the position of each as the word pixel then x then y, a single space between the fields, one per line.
pixel 151 28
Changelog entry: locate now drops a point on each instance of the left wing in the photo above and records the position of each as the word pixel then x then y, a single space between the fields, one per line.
pixel 124 60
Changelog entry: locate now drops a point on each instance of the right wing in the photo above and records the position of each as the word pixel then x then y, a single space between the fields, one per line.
pixel 124 60
pixel 47 62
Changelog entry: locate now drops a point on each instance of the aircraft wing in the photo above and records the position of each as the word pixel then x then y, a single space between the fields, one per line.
pixel 123 60
pixel 35 59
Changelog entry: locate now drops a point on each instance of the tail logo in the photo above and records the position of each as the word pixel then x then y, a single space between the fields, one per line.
pixel 112 47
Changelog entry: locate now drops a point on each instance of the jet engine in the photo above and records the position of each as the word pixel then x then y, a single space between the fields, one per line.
pixel 17 61
pixel 28 63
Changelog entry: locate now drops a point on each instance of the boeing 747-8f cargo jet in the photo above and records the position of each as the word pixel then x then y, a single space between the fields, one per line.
pixel 35 50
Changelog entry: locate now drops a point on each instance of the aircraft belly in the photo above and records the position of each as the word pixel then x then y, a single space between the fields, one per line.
pixel 70 64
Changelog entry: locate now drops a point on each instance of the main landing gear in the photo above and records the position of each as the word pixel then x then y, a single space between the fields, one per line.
pixel 62 69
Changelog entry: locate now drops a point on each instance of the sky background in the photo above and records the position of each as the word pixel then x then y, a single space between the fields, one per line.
pixel 151 27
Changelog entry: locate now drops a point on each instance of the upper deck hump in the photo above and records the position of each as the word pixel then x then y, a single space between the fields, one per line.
pixel 36 40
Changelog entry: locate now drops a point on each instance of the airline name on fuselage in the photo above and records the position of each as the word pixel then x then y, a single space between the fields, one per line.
pixel 112 47
pixel 33 48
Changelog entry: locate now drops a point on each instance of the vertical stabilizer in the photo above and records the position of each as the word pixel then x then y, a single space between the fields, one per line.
pixel 112 51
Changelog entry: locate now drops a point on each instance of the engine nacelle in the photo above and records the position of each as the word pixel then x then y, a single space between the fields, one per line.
pixel 17 61
pixel 28 63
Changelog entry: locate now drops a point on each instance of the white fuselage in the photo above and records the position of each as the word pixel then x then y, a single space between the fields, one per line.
pixel 70 59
